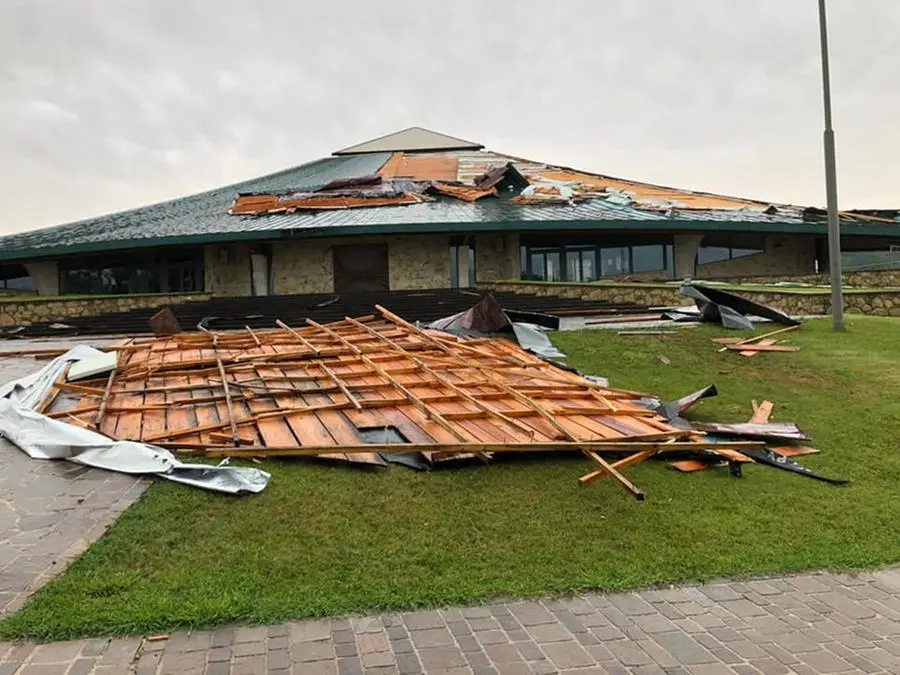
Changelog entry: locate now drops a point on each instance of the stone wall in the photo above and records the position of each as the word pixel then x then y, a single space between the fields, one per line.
pixel 870 279
pixel 878 303
pixel 27 312
pixel 415 262
pixel 302 266
pixel 784 255
pixel 497 257
pixel 227 269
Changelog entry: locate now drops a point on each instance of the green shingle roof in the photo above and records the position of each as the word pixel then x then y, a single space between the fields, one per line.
pixel 204 217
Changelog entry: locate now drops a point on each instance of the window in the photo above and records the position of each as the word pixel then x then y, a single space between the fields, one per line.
pixel 720 247
pixel 591 257
pixel 178 271
pixel 15 278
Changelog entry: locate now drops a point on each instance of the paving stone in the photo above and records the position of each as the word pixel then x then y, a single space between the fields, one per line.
pixel 223 637
pixel 530 651
pixel 343 636
pixel 628 653
pixel 310 631
pixel 219 655
pixel 684 648
pixel 57 652
pixel 243 649
pixel 373 642
pixel 120 651
pixel 484 623
pixel 780 654
pixel 492 637
pixel 459 628
pixel 400 646
pixel 278 659
pixel 845 606
pixel 81 667
pixel 344 649
pixel 720 592
pixel 423 620
pixel 431 637
pixel 568 655
pixel 248 665
pixel 498 654
pixel 550 632
pixel 250 634
pixel 378 659
pixel 468 644
pixel 318 650
pixel 351 666
pixel 863 664
pixel 825 662
pixel 408 664
pixel 441 658
pixel 531 614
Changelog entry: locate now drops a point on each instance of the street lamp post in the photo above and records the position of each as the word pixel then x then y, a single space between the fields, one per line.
pixel 834 228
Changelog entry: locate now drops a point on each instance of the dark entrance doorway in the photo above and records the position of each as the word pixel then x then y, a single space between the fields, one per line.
pixel 361 268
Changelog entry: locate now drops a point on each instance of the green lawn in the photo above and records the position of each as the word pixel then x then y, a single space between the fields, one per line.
pixel 325 540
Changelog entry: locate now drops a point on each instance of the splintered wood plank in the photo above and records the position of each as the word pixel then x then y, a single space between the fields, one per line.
pixel 754 352
pixel 762 413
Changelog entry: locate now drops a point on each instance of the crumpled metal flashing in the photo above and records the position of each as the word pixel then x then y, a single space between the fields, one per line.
pixel 42 437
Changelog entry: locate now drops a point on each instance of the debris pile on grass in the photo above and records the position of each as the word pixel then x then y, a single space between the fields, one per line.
pixel 376 390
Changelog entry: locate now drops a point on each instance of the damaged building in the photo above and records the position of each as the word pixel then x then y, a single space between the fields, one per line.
pixel 422 210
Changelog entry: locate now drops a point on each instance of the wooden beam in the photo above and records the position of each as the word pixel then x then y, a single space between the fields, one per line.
pixel 235 437
pixel 631 460
pixel 761 348
pixel 619 445
pixel 608 468
pixel 105 400
pixel 759 337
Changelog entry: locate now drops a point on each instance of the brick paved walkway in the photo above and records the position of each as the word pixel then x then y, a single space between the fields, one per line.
pixel 821 623
pixel 50 511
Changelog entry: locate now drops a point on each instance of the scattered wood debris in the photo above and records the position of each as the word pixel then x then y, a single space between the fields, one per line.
pixel 364 391
pixel 760 343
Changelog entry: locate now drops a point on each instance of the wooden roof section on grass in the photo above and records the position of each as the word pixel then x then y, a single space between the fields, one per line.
pixel 320 390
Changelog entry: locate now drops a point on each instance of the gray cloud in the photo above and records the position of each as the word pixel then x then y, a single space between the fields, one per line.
pixel 105 106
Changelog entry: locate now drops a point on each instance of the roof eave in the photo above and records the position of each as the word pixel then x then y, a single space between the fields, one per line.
pixel 661 225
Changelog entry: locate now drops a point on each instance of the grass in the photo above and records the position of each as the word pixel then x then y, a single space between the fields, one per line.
pixel 326 540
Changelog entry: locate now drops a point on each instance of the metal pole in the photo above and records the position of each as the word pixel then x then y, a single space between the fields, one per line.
pixel 834 228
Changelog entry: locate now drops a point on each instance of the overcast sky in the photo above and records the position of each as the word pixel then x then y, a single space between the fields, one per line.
pixel 109 105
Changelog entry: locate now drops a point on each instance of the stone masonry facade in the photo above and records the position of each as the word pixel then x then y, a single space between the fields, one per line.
pixel 877 303
pixel 26 312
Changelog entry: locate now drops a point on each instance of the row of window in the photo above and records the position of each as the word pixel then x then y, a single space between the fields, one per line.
pixel 591 258
pixel 156 272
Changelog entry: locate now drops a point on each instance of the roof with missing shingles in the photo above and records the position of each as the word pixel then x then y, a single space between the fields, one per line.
pixel 442 190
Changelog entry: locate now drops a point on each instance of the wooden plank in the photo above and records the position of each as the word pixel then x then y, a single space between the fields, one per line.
pixel 762 348
pixel 760 337
pixel 236 438
pixel 600 446
pixel 624 463
pixel 609 469
pixel 762 413
pixel 761 342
